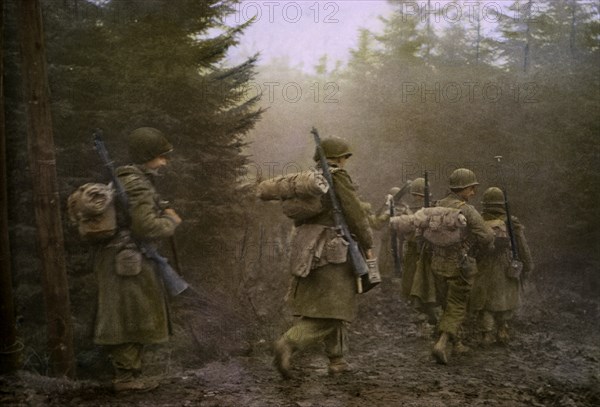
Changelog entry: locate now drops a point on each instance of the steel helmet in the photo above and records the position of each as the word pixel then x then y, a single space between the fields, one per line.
pixel 334 147
pixel 462 178
pixel 147 143
pixel 493 196
pixel 417 187
pixel 394 191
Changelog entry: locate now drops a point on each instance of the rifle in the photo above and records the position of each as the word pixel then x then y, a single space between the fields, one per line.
pixel 395 242
pixel 164 205
pixel 174 284
pixel 397 196
pixel 426 202
pixel 367 275
pixel 516 265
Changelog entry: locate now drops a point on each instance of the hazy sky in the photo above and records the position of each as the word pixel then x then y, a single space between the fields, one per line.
pixel 305 30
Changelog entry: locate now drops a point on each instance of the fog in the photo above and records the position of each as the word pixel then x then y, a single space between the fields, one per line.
pixel 410 89
pixel 419 91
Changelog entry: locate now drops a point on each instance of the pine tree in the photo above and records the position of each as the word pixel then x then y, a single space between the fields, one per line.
pixel 404 40
pixel 523 31
pixel 122 64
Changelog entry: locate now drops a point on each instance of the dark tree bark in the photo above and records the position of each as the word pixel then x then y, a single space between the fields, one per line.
pixel 9 347
pixel 46 200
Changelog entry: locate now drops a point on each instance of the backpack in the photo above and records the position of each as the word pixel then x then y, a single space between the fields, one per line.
pixel 92 209
pixel 299 193
pixel 502 239
pixel 440 225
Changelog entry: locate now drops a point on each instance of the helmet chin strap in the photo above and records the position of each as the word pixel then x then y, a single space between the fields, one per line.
pixel 154 171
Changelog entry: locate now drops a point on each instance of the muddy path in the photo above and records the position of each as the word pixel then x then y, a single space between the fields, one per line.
pixel 553 360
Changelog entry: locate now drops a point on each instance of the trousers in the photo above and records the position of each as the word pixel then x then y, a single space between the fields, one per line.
pixel 307 332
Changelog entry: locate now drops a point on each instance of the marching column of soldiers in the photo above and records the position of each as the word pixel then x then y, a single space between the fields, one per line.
pixel 473 270
pixel 454 260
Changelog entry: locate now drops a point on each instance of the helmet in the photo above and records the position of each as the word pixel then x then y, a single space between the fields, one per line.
pixel 417 187
pixel 493 196
pixel 394 191
pixel 147 143
pixel 462 178
pixel 334 147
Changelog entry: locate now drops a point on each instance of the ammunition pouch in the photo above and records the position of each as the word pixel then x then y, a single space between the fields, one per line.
pixel 314 246
pixel 335 250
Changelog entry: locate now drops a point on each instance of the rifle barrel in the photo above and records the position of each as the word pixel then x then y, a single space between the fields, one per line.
pixel 426 202
pixel 173 282
pixel 509 225
pixel 358 262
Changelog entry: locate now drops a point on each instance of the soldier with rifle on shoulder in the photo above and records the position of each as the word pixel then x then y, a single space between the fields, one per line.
pixel 323 295
pixel 390 246
pixel 132 304
pixel 416 264
pixel 497 290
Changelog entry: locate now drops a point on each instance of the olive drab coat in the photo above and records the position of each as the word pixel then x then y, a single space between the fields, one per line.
pixel 329 291
pixel 133 308
pixel 494 290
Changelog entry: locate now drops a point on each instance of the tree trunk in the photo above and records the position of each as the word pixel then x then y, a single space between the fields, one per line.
pixel 45 189
pixel 478 44
pixel 10 349
pixel 573 32
pixel 526 50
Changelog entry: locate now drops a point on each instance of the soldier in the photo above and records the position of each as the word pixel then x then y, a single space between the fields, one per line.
pixel 410 249
pixel 325 298
pixel 496 293
pixel 411 259
pixel 385 258
pixel 132 308
pixel 454 266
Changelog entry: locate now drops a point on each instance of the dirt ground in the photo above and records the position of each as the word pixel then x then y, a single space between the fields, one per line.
pixel 553 360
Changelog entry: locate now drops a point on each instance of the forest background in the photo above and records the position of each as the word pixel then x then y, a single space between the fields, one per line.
pixel 523 84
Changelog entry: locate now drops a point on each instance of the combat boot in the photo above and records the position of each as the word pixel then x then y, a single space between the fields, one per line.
pixel 442 349
pixel 487 339
pixel 503 336
pixel 338 365
pixel 283 356
pixel 460 347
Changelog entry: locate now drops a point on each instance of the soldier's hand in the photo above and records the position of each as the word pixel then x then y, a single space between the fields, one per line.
pixel 369 254
pixel 170 212
pixel 389 200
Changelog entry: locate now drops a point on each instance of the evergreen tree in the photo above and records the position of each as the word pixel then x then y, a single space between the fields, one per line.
pixel 523 33
pixel 403 38
pixel 122 64
pixel 455 48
